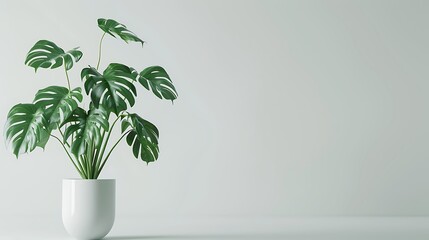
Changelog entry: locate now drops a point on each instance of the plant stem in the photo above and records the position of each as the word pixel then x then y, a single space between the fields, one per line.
pixel 98 149
pixel 94 159
pixel 88 159
pixel 104 145
pixel 99 50
pixel 68 154
pixel 80 166
pixel 83 166
pixel 67 76
pixel 62 135
pixel 86 164
pixel 108 155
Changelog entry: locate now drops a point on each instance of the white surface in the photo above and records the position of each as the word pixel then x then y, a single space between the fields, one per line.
pixel 88 207
pixel 138 228
pixel 285 107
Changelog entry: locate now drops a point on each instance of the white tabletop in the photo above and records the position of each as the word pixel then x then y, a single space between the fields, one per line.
pixel 144 228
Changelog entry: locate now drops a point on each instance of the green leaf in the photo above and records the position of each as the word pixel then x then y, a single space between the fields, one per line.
pixel 87 127
pixel 44 136
pixel 116 29
pixel 58 103
pixel 156 79
pixel 111 88
pixel 143 137
pixel 26 128
pixel 46 54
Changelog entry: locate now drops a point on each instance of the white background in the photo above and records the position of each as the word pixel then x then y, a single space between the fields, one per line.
pixel 285 108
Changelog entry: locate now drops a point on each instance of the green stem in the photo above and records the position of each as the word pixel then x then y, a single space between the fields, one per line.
pixel 89 155
pixel 88 160
pixel 62 135
pixel 86 164
pixel 110 152
pixel 94 157
pixel 93 160
pixel 68 154
pixel 72 136
pixel 83 165
pixel 104 145
pixel 67 76
pixel 98 150
pixel 99 50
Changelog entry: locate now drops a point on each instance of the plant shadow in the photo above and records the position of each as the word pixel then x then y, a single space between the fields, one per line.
pixel 218 236
pixel 143 237
pixel 163 237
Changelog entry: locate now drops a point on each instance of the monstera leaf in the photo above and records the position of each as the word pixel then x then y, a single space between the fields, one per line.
pixel 46 54
pixel 26 128
pixel 155 78
pixel 115 29
pixel 111 88
pixel 58 103
pixel 87 128
pixel 143 137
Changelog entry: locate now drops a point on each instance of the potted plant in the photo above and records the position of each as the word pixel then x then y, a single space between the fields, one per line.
pixel 88 203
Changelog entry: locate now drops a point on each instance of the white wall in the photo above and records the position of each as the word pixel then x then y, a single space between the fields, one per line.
pixel 285 107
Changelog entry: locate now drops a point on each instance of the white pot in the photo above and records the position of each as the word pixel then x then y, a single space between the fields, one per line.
pixel 88 207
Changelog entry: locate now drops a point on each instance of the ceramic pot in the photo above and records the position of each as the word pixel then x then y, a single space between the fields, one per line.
pixel 88 208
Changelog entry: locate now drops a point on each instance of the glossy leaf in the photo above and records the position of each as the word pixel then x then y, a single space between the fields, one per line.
pixel 46 54
pixel 87 127
pixel 58 103
pixel 116 29
pixel 26 128
pixel 156 79
pixel 112 88
pixel 143 137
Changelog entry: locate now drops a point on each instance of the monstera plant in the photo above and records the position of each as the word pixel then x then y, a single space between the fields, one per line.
pixel 84 134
